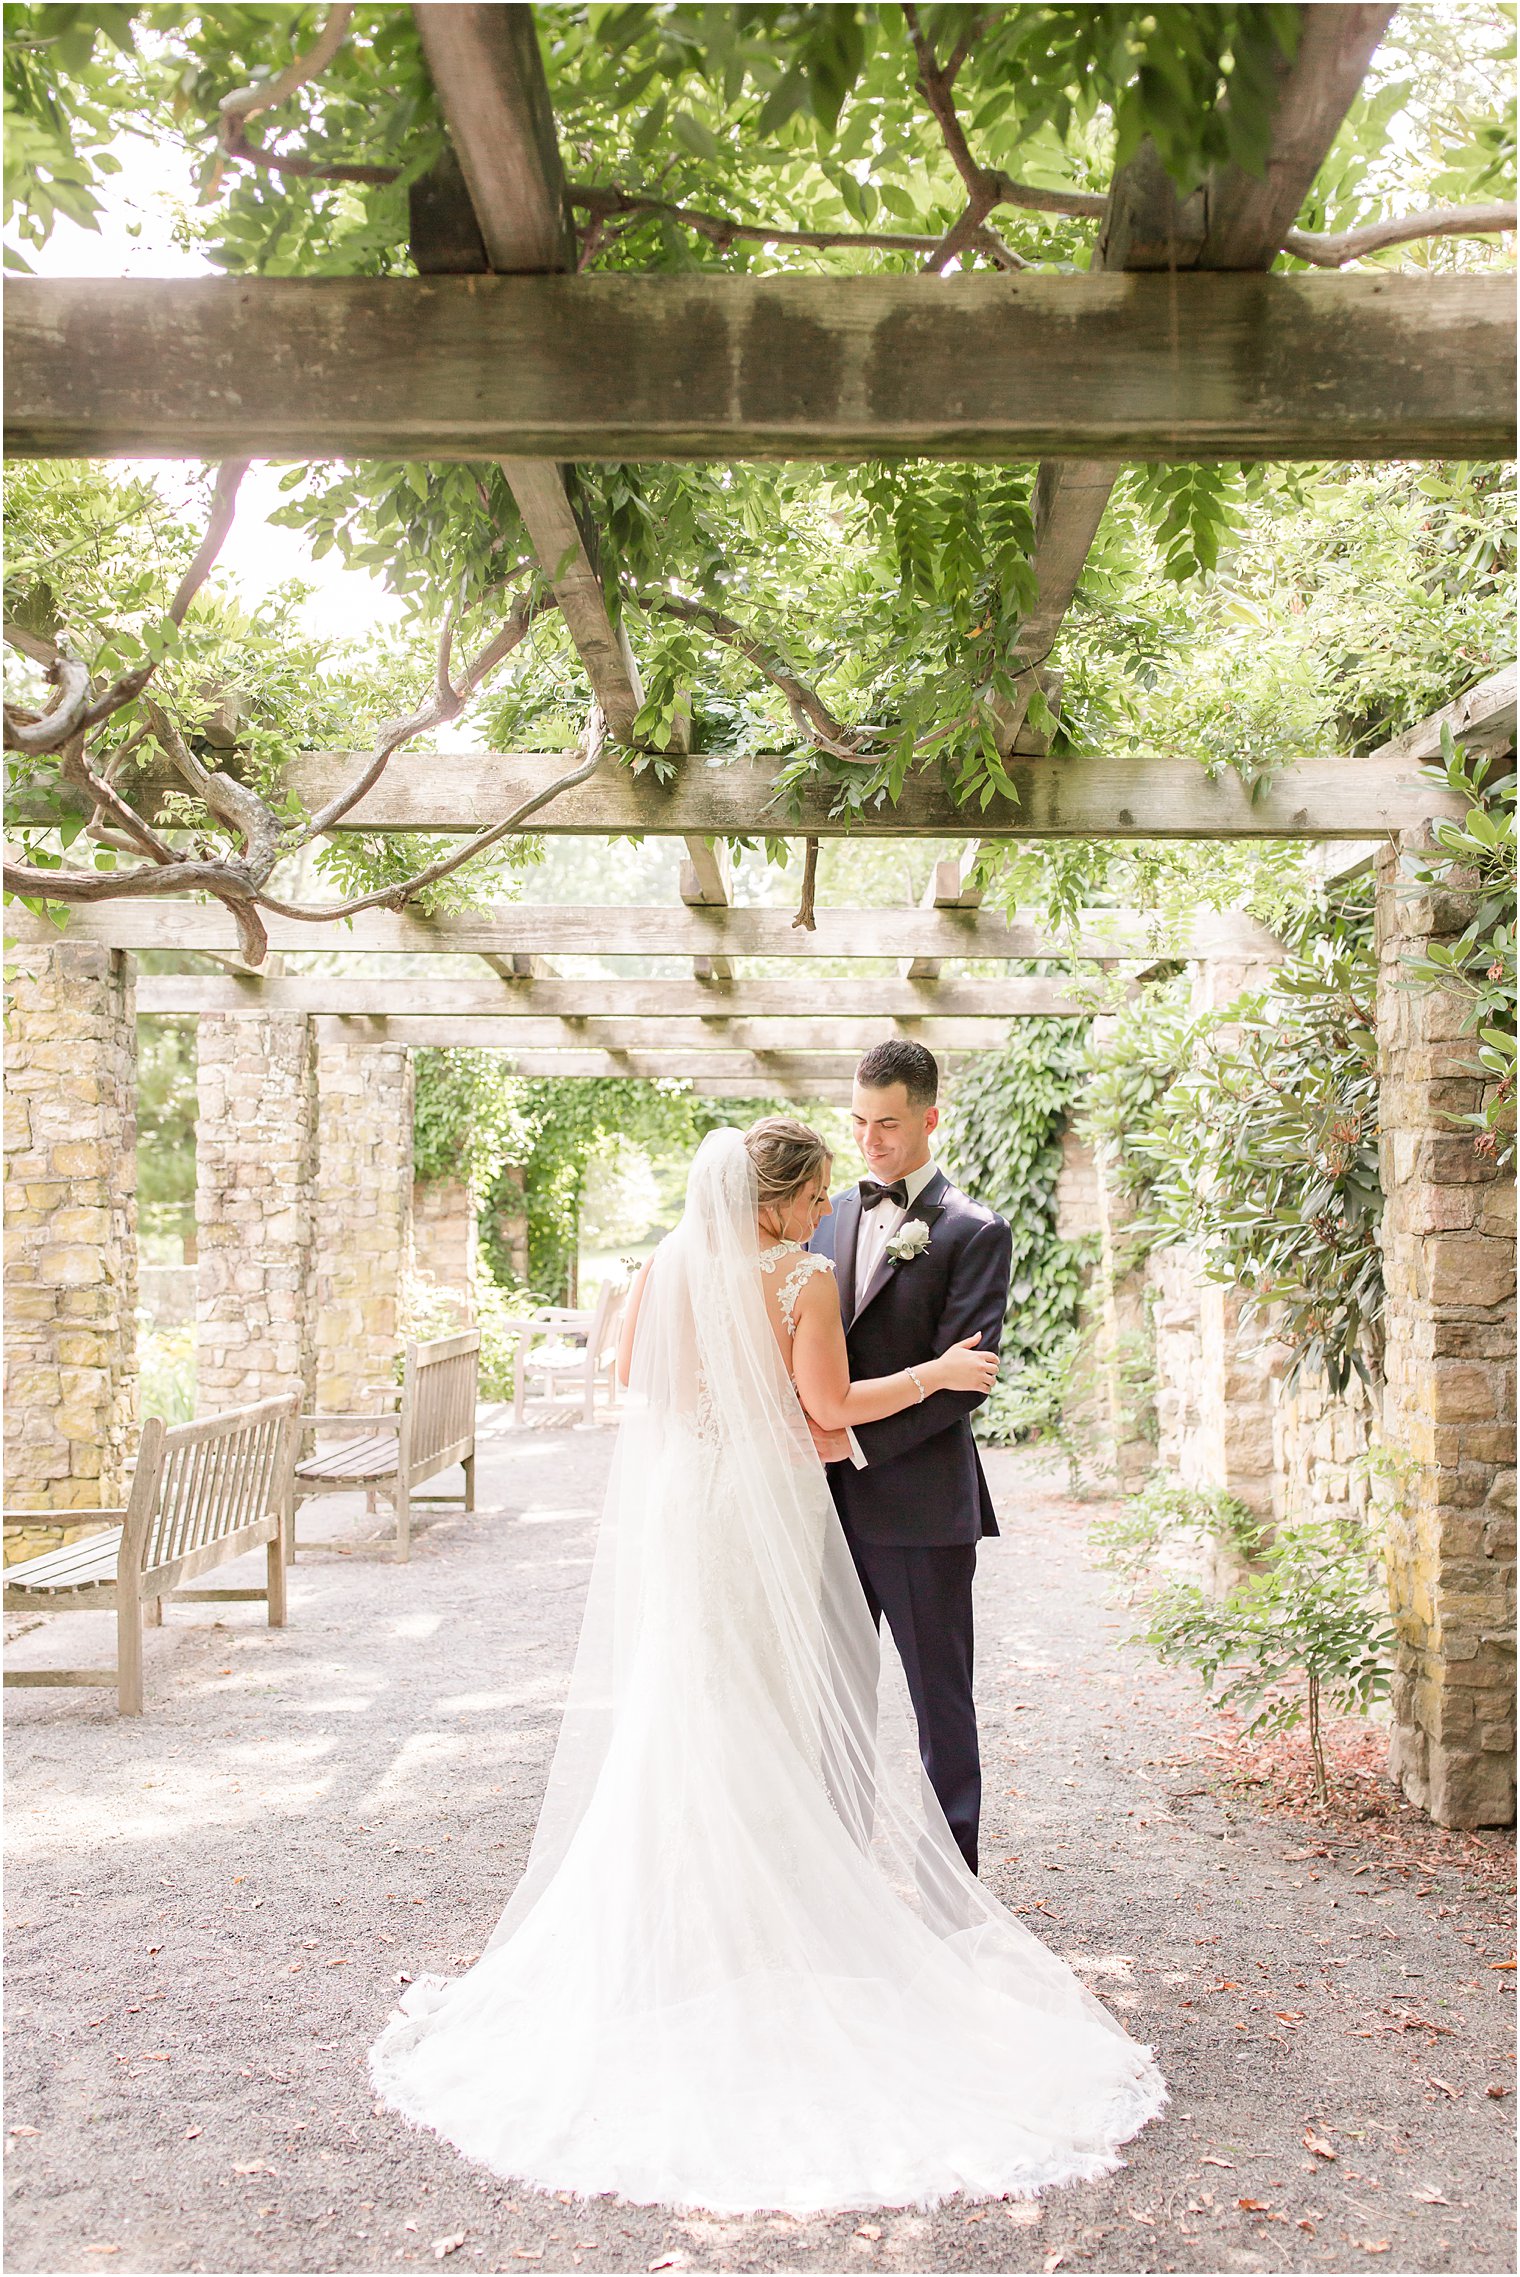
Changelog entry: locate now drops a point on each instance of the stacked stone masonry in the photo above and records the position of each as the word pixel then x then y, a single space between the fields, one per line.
pixel 255 1179
pixel 1449 1404
pixel 363 1226
pixel 70 1234
pixel 446 1239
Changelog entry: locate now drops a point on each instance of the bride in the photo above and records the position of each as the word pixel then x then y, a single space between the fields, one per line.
pixel 746 1967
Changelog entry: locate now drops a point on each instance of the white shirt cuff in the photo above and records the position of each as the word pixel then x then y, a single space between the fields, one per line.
pixel 856 1457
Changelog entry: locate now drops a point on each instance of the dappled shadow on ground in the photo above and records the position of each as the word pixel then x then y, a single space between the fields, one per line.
pixel 212 1908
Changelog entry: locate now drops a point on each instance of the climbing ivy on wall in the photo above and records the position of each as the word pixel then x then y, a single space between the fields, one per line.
pixel 1252 1133
pixel 1010 1110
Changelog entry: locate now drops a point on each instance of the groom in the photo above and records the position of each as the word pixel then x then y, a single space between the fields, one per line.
pixel 911 1496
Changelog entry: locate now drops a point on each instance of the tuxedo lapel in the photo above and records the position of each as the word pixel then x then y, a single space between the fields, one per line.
pixel 846 1227
pixel 928 1207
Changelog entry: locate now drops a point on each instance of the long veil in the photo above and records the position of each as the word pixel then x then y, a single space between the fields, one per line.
pixel 746 1965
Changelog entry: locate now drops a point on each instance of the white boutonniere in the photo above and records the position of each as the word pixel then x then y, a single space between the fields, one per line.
pixel 910 1240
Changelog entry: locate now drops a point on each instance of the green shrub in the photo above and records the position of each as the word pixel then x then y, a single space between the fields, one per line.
pixel 1302 1633
pixel 1131 1541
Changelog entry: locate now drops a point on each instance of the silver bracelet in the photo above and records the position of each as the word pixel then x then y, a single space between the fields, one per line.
pixel 914 1377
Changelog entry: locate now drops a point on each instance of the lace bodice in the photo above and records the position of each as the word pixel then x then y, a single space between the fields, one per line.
pixel 798 1274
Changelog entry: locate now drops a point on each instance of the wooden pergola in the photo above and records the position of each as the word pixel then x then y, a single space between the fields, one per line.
pixel 1179 343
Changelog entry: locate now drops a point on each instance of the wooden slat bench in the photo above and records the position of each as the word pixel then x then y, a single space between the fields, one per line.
pixel 432 1429
pixel 202 1494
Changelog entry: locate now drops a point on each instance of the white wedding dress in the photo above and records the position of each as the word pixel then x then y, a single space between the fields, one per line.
pixel 746 1967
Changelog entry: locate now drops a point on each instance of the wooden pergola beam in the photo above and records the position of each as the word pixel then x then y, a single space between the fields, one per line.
pixel 486 71
pixel 1483 717
pixel 1157 796
pixel 947 889
pixel 489 79
pixel 1325 367
pixel 169 994
pixel 1236 222
pixel 982 935
pixel 965 1005
pixel 750 1071
pixel 1139 797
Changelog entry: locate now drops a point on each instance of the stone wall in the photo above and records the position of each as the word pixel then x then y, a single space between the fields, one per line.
pixel 1214 1393
pixel 1449 1267
pixel 1123 1337
pixel 255 1172
pixel 1078 1216
pixel 446 1236
pixel 363 1228
pixel 1320 1439
pixel 70 1233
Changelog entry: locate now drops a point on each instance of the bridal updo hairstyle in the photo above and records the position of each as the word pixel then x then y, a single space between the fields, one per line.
pixel 786 1155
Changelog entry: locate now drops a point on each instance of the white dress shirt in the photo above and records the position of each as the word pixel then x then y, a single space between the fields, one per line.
pixel 874 1231
pixel 877 1226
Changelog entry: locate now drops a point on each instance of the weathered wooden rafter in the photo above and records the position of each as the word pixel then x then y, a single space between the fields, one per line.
pixel 1236 221
pixel 949 887
pixel 750 1071
pixel 913 1008
pixel 1125 797
pixel 1324 367
pixel 608 1030
pixel 978 935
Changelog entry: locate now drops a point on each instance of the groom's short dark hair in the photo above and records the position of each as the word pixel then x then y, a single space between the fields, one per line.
pixel 916 1069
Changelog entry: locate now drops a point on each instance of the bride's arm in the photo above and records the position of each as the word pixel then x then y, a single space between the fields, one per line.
pixel 821 1367
pixel 631 1322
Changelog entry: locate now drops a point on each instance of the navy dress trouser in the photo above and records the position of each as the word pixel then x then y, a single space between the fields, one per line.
pixel 926 1597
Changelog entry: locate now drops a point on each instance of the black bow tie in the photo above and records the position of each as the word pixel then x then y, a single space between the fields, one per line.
pixel 871 1193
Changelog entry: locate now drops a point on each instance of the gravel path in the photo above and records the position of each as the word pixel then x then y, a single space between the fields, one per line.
pixel 209 1908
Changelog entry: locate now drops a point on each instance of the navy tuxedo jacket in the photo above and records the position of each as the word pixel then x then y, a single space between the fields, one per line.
pixel 922 1486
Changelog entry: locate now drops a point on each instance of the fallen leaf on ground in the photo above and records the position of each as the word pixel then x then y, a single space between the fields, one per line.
pixel 1052 2262
pixel 672 2261
pixel 1443 2084
pixel 1252 2205
pixel 1024 2217
pixel 191 2133
pixel 102 2249
pixel 870 2230
pixel 1430 2197
pixel 1373 2244
pixel 26 2130
pixel 1319 2146
pixel 1498 2093
pixel 340 1963
pixel 1304 2223
pixel 1216 2162
pixel 1509 1964
pixel 443 2245
pixel 253 2166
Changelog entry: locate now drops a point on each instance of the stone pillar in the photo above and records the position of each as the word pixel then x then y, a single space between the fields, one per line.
pixel 1122 1337
pixel 1234 1393
pixel 255 1179
pixel 364 1212
pixel 70 1231
pixel 446 1236
pixel 1448 1407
